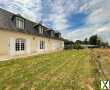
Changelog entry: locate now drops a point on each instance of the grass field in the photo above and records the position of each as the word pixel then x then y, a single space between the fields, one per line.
pixel 66 70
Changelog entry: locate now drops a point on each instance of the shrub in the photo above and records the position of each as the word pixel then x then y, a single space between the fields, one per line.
pixel 77 46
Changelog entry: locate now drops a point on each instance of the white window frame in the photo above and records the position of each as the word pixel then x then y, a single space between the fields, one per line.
pixel 41 31
pixel 20 23
pixel 42 44
pixel 52 33
pixel 21 46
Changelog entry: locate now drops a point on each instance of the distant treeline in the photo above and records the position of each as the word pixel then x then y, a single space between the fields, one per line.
pixel 94 42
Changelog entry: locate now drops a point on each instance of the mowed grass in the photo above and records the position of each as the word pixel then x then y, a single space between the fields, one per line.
pixel 66 70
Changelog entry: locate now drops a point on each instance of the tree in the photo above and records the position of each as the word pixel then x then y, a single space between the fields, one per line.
pixel 85 41
pixel 68 44
pixel 78 41
pixel 104 44
pixel 77 46
pixel 93 40
pixel 96 40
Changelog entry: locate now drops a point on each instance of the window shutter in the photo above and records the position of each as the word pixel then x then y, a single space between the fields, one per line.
pixel 12 46
pixel 46 46
pixel 28 46
pixel 38 45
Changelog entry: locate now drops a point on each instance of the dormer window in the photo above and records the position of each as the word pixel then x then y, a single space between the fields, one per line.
pixel 41 30
pixel 52 33
pixel 58 35
pixel 19 23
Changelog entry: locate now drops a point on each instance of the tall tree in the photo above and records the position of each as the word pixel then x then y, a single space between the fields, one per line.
pixel 78 41
pixel 85 41
pixel 93 40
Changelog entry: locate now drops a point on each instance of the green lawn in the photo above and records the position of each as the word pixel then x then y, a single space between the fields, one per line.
pixel 66 70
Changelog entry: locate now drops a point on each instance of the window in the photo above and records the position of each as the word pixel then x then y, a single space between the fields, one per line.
pixel 19 23
pixel 42 45
pixel 58 35
pixel 52 33
pixel 40 30
pixel 20 45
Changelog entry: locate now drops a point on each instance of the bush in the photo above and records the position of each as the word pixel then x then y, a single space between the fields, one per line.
pixel 77 46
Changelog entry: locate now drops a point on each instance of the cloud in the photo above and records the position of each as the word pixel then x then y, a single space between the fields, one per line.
pixel 85 32
pixel 97 21
pixel 55 13
pixel 58 13
pixel 22 1
pixel 80 34
pixel 30 9
pixel 49 11
pixel 103 29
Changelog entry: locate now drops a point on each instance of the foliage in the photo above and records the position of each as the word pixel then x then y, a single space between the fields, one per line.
pixel 85 41
pixel 78 41
pixel 77 46
pixel 68 41
pixel 96 40
pixel 93 40
pixel 68 44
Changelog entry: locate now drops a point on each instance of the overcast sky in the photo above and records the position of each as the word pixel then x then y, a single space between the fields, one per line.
pixel 76 19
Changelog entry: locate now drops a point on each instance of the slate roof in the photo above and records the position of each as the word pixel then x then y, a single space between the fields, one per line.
pixel 7 22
